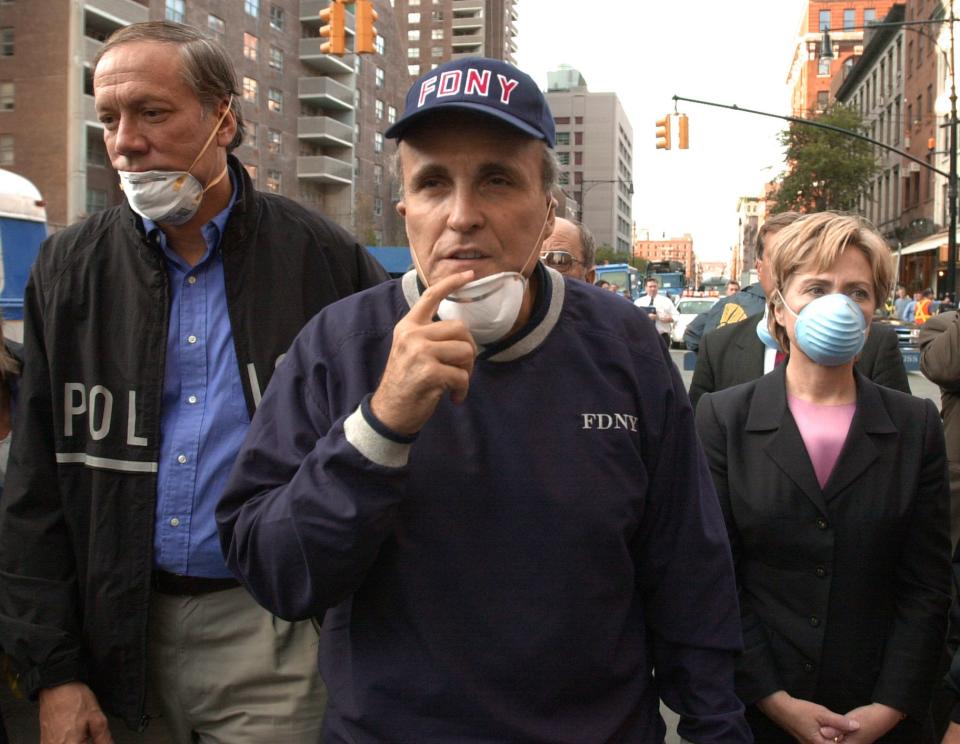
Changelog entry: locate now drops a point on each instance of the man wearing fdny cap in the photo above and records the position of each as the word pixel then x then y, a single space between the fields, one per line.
pixel 402 481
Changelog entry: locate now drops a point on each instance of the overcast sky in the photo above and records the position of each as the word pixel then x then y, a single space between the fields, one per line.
pixel 733 52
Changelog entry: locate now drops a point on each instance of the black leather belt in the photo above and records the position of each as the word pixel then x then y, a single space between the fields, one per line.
pixel 168 583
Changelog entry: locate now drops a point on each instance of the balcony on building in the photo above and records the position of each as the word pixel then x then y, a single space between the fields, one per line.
pixel 327 64
pixel 466 40
pixel 325 131
pixel 325 93
pixel 117 13
pixel 466 25
pixel 90 112
pixel 324 169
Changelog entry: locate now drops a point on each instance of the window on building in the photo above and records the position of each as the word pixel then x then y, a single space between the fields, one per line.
pixel 578 138
pixel 563 158
pixel 412 52
pixel 849 19
pixel 436 33
pixel 377 142
pixel 96 152
pixel 413 18
pixel 391 114
pixel 412 3
pixel 216 26
pixel 274 141
pixel 276 18
pixel 379 44
pixel 578 177
pixel 378 77
pixel 561 119
pixel 564 178
pixel 869 16
pixel 436 15
pixel 563 138
pixel 250 43
pixel 251 138
pixel 252 7
pixel 436 52
pixel 6 42
pixel 252 172
pixel 413 34
pixel 174 10
pixel 413 70
pixel 6 95
pixel 823 67
pixel 823 97
pixel 6 149
pixel 377 206
pixel 578 158
pixel 276 58
pixel 274 180
pixel 824 20
pixel 96 200
pixel 275 100
pixel 250 89
pixel 377 174
pixel 378 109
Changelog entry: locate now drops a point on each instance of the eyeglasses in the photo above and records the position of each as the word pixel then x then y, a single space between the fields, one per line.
pixel 559 260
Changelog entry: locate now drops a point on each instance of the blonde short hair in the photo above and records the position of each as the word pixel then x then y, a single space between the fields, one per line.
pixel 818 240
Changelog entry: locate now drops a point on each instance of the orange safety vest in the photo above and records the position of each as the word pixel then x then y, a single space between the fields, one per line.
pixel 922 314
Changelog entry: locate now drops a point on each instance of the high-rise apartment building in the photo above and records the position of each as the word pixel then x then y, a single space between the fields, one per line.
pixel 595 150
pixel 436 31
pixel 810 75
pixel 314 121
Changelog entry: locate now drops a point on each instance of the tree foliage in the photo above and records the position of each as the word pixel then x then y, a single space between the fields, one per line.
pixel 825 169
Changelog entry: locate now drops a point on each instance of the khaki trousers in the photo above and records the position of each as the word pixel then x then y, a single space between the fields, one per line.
pixel 222 670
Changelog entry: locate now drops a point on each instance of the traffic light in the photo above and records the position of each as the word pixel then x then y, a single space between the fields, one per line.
pixel 684 131
pixel 663 133
pixel 334 18
pixel 366 32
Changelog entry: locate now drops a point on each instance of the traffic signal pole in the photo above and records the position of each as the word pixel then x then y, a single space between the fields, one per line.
pixel 820 125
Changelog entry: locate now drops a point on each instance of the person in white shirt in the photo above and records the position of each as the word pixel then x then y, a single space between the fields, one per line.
pixel 663 311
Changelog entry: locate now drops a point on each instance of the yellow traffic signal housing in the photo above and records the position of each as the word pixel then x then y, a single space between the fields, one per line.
pixel 683 128
pixel 366 32
pixel 334 18
pixel 663 133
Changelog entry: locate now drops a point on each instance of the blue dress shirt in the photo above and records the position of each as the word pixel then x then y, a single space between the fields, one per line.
pixel 204 416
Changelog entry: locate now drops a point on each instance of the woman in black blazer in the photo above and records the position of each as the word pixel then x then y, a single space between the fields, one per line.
pixel 835 494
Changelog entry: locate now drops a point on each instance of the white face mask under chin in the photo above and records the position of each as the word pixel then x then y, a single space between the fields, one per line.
pixel 491 305
pixel 169 197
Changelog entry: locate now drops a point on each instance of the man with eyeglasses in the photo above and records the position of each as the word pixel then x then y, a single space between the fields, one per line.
pixel 571 250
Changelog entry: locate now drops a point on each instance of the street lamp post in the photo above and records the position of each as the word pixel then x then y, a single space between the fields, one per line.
pixel 826 52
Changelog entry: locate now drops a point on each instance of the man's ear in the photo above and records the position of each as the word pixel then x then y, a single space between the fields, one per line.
pixel 402 208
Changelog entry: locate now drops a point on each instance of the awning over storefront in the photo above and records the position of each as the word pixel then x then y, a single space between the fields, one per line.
pixel 930 243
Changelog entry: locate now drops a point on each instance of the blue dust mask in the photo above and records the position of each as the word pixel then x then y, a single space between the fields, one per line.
pixel 831 330
pixel 763 331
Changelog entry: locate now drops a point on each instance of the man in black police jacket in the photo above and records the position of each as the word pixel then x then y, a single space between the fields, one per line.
pixel 151 332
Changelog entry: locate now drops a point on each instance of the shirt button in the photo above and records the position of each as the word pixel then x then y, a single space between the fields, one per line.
pixel 808 667
pixel 192 399
pixel 174 522
pixel 191 280
pixel 191 339
pixel 822 523
pixel 821 571
pixel 815 622
pixel 181 459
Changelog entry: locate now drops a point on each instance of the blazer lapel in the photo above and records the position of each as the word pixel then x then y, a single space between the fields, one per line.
pixel 859 450
pixel 750 349
pixel 769 412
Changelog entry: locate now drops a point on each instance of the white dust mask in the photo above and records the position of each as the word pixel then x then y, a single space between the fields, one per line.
pixel 490 306
pixel 169 197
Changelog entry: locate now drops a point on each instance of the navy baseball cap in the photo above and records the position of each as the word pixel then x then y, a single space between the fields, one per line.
pixel 487 86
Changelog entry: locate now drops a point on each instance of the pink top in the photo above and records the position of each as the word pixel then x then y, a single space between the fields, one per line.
pixel 824 430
